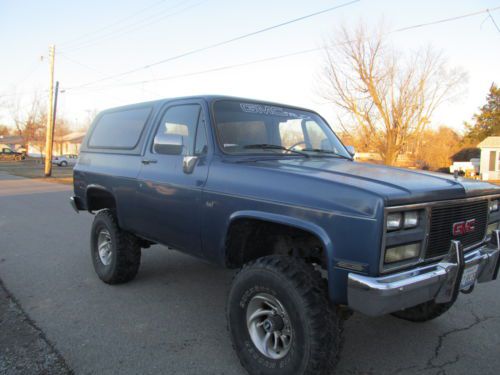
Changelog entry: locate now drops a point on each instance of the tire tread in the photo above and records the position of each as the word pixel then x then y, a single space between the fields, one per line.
pixel 128 251
pixel 326 326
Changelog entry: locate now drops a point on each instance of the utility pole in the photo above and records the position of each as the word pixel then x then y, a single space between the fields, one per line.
pixel 50 115
pixel 56 94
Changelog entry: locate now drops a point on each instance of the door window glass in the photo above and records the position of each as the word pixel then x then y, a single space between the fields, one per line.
pixel 182 120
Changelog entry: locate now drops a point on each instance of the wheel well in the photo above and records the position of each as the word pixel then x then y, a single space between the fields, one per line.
pixel 249 239
pixel 97 199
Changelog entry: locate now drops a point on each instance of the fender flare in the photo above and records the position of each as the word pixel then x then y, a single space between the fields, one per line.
pixel 97 187
pixel 307 226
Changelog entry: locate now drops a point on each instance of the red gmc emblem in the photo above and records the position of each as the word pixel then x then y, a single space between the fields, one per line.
pixel 463 227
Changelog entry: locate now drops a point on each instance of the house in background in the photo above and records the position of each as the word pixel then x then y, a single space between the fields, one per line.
pixel 467 161
pixel 490 158
pixel 67 144
pixel 14 142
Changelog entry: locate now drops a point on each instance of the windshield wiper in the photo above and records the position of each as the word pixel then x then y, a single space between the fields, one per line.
pixel 329 152
pixel 265 146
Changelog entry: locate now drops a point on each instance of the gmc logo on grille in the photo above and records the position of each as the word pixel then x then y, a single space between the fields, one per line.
pixel 464 227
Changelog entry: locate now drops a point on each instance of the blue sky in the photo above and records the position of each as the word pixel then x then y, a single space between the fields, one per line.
pixel 95 39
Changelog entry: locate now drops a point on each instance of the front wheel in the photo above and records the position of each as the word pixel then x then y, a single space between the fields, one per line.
pixel 116 254
pixel 424 312
pixel 281 320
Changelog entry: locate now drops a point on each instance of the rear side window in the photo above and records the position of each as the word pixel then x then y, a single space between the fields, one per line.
pixel 120 129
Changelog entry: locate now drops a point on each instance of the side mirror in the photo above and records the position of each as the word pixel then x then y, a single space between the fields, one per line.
pixel 168 144
pixel 351 150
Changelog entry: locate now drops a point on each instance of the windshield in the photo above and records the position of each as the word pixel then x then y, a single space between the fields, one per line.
pixel 250 128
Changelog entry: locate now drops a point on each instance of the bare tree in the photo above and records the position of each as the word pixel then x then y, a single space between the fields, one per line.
pixel 30 121
pixel 5 130
pixel 388 97
pixel 89 118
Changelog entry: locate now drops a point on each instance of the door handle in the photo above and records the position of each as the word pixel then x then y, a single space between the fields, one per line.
pixel 148 161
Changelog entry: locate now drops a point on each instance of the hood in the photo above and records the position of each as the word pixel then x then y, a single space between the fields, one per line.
pixel 396 186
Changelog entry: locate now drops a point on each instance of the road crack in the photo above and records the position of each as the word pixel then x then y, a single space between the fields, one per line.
pixel 431 362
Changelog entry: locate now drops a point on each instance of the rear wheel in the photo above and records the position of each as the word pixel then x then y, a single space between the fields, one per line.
pixel 116 254
pixel 424 312
pixel 281 320
pixel 63 164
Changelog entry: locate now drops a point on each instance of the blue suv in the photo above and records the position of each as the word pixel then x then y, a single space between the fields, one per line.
pixel 269 189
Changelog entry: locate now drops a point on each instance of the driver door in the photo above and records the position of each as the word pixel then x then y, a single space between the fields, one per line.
pixel 168 196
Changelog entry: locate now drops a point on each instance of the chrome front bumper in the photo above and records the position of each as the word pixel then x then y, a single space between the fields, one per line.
pixel 376 296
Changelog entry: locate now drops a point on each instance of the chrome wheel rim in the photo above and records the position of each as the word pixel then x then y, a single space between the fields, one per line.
pixel 104 246
pixel 269 326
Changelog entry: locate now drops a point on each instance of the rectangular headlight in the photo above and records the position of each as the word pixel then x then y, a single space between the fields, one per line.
pixel 494 205
pixel 403 252
pixel 411 219
pixel 394 220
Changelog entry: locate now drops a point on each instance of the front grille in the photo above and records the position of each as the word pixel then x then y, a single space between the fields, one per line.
pixel 441 226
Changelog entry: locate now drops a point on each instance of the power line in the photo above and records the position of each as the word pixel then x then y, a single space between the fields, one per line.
pixel 120 30
pixel 225 67
pixel 218 44
pixel 291 54
pixel 493 20
pixel 119 21
pixel 447 19
pixel 14 94
pixel 93 69
pixel 34 67
pixel 82 64
pixel 145 22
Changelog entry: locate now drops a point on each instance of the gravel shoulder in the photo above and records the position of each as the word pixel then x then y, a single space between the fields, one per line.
pixel 24 350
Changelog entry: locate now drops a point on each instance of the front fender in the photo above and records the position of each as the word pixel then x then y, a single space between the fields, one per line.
pixel 335 261
pixel 290 221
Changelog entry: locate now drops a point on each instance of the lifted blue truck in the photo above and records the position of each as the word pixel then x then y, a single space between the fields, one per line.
pixel 269 189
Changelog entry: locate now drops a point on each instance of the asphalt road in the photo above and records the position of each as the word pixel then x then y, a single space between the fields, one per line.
pixel 170 319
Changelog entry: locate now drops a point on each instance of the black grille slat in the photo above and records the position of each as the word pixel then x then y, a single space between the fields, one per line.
pixel 442 220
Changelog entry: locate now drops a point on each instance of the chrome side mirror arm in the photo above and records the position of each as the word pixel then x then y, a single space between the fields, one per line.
pixel 188 163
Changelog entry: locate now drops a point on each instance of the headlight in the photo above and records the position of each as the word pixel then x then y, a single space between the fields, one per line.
pixel 404 252
pixel 399 220
pixel 494 205
pixel 411 219
pixel 394 221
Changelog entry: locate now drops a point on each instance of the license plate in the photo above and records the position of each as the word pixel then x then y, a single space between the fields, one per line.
pixel 469 277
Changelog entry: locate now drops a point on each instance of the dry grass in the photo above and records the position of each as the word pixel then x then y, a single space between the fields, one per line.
pixel 33 168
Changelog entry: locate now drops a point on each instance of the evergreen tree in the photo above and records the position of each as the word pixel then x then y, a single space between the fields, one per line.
pixel 487 122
